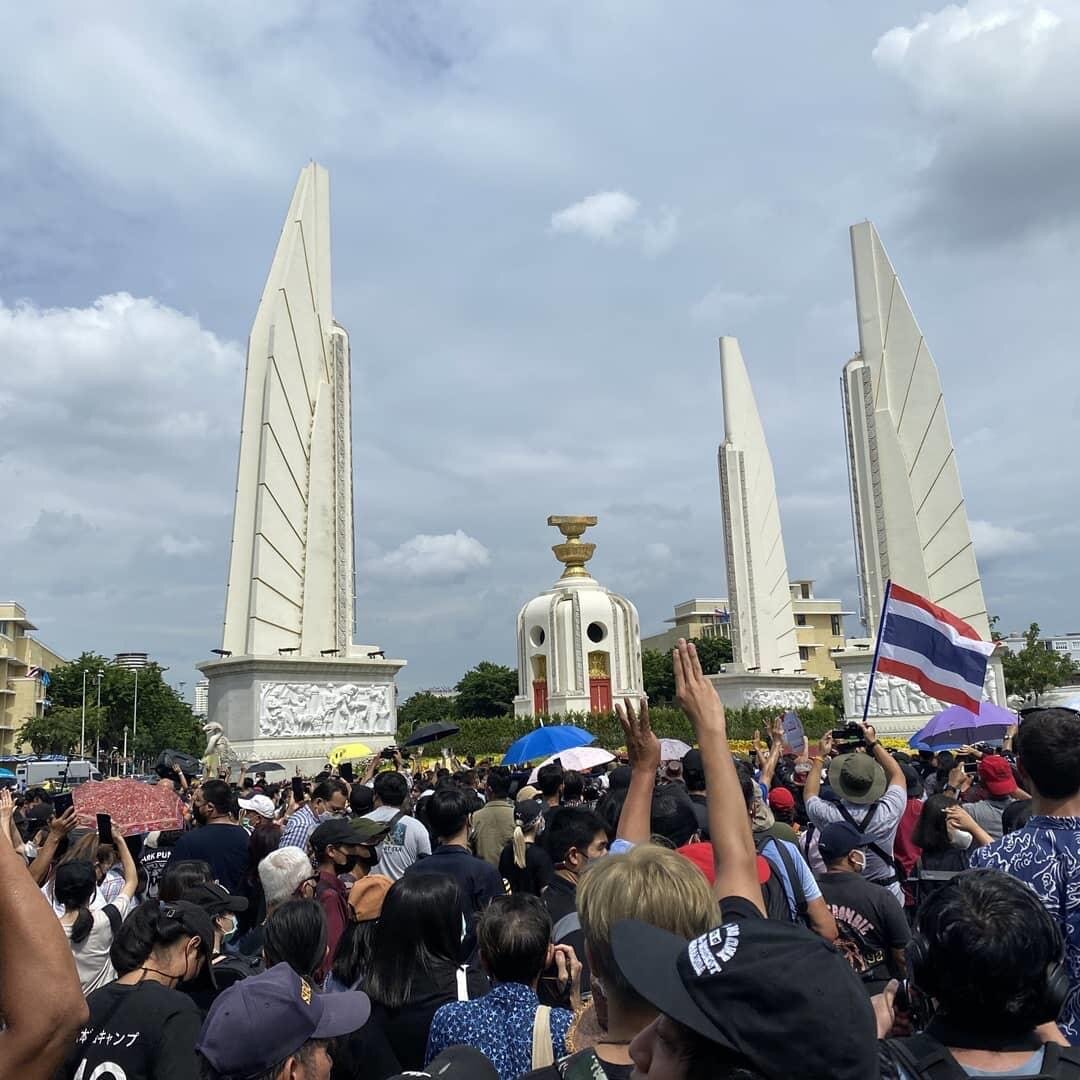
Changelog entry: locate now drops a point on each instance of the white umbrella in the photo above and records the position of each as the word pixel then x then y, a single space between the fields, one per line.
pixel 673 749
pixel 580 758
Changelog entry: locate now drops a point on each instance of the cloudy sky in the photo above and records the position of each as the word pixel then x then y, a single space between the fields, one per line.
pixel 543 217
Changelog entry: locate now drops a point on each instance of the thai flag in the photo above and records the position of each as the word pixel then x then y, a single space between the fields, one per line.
pixel 931 647
pixel 722 617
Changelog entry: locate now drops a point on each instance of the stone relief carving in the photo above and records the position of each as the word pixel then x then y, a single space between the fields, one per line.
pixel 324 709
pixel 779 699
pixel 898 697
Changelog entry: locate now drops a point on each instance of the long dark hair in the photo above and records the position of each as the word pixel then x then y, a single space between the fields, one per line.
pixel 931 830
pixel 145 930
pixel 295 934
pixel 263 840
pixel 353 957
pixel 74 887
pixel 419 930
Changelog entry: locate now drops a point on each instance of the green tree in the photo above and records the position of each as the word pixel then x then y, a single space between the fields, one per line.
pixel 163 719
pixel 55 733
pixel 486 690
pixel 423 708
pixel 659 677
pixel 1035 669
pixel 830 692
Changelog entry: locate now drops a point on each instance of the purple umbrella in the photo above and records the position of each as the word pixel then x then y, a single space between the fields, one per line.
pixel 956 726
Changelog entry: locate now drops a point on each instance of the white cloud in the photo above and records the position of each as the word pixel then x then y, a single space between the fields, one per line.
pixel 614 216
pixel 658 551
pixel 992 541
pixel 995 83
pixel 182 546
pixel 598 216
pixel 444 557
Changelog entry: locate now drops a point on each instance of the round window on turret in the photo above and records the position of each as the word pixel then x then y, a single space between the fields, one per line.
pixel 537 636
pixel 596 631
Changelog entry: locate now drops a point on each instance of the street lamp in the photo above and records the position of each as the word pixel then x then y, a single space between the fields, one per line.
pixel 97 740
pixel 82 728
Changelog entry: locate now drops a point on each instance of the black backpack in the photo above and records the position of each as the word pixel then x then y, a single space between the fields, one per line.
pixel 924 1058
pixel 772 891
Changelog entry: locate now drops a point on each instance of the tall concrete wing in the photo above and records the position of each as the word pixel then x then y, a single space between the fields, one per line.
pixel 908 511
pixel 762 623
pixel 291 563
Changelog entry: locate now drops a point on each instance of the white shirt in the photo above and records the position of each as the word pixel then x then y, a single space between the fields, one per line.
pixel 406 842
pixel 92 955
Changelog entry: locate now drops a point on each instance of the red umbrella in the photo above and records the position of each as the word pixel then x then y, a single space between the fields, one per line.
pixel 134 807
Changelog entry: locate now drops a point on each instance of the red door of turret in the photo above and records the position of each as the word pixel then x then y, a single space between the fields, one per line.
pixel 539 696
pixel 600 694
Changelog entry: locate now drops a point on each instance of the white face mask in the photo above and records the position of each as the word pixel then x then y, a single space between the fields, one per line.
pixel 960 838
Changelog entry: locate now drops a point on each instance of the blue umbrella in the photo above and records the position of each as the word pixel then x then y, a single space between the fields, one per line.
pixel 545 741
pixel 956 726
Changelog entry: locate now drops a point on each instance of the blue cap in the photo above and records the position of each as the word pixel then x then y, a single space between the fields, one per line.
pixel 839 838
pixel 263 1019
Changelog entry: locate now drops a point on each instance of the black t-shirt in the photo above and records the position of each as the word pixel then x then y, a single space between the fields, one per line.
pixel 701 811
pixel 584 1065
pixel 536 874
pixel 224 847
pixel 870 920
pixel 365 1053
pixel 560 899
pixel 152 862
pixel 144 1032
pixel 406 1028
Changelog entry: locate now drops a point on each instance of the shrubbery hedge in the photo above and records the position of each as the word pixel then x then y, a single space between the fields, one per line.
pixel 490 736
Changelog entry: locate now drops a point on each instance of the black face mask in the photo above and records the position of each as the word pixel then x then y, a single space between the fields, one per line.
pixel 367 857
pixel 348 865
pixel 198 813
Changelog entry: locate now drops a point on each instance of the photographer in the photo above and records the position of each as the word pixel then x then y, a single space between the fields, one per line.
pixel 872 794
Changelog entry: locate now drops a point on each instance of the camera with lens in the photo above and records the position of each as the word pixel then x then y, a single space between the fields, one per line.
pixel 388 753
pixel 847 738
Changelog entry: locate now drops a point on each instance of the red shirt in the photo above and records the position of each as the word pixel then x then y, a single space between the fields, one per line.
pixel 905 851
pixel 334 898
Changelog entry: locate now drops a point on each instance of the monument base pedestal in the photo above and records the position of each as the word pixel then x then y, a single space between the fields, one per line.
pixel 753 690
pixel 295 710
pixel 898 708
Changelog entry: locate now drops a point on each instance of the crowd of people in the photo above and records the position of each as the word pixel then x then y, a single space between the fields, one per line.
pixel 841 912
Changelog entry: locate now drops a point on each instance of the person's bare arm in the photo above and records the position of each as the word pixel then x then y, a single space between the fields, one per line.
pixel 729 825
pixel 812 787
pixel 39 1028
pixel 768 770
pixel 643 749
pixel 127 864
pixel 959 818
pixel 59 827
pixel 821 919
pixel 894 775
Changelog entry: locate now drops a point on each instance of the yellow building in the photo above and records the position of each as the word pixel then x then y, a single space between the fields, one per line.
pixel 22 659
pixel 704 617
pixel 819 628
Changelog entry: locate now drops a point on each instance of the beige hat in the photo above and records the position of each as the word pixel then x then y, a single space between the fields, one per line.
pixel 527 792
pixel 367 895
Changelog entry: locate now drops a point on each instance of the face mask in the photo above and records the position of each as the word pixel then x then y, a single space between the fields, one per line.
pixel 228 935
pixel 861 868
pixel 198 813
pixel 348 865
pixel 960 838
pixel 367 857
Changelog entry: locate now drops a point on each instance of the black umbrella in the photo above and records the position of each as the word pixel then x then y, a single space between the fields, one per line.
pixel 430 733
pixel 170 760
pixel 265 766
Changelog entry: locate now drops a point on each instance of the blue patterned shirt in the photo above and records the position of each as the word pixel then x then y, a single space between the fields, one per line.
pixel 499 1025
pixel 1045 855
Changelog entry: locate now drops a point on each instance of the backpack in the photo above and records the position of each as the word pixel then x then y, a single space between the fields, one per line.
pixel 773 891
pixel 898 872
pixel 922 1057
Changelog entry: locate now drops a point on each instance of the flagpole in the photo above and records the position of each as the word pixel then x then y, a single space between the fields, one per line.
pixel 877 650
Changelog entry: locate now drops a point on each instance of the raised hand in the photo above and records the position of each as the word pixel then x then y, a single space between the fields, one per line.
pixel 64 823
pixel 693 691
pixel 642 745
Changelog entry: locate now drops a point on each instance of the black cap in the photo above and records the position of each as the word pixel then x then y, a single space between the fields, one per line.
pixel 193 919
pixel 335 831
pixel 455 1063
pixel 212 898
pixel 747 985
pixel 915 787
pixel 840 837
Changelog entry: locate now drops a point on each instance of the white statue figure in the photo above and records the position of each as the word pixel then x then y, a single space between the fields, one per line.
pixel 219 750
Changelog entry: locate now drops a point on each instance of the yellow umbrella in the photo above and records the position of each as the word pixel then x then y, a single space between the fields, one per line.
pixel 348 751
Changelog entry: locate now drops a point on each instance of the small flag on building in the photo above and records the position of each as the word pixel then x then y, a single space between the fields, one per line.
pixel 722 617
pixel 929 646
pixel 33 673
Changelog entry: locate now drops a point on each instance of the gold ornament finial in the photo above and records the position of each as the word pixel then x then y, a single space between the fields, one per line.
pixel 573 554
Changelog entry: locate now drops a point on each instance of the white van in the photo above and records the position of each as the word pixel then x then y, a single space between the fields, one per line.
pixel 32 773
